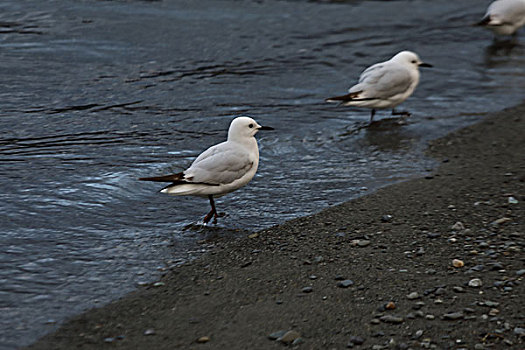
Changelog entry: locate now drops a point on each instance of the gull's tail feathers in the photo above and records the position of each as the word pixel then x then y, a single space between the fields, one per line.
pixel 348 98
pixel 176 178
pixel 489 21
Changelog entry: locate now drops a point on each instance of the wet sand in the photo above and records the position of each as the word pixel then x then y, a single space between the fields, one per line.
pixel 370 273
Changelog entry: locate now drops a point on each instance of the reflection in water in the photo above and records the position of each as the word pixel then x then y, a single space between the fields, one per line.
pixel 94 97
pixel 501 48
pixel 389 135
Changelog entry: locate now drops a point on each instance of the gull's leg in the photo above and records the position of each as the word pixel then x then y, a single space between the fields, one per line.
pixel 405 113
pixel 372 115
pixel 213 212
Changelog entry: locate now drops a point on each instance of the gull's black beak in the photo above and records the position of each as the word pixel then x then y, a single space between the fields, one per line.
pixel 266 128
pixel 428 65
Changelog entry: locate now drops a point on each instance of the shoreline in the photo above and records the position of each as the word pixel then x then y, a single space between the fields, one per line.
pixel 373 272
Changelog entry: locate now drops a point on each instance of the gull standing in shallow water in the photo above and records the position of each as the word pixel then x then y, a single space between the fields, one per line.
pixel 504 17
pixel 385 84
pixel 220 169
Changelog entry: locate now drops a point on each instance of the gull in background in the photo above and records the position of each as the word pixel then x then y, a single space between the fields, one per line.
pixel 504 17
pixel 385 84
pixel 220 169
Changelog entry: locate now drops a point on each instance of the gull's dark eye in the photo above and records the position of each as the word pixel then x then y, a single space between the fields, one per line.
pixel 414 61
pixel 250 126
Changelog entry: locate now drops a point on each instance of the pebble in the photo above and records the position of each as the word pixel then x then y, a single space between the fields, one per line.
pixel 289 337
pixel 418 305
pixel 520 332
pixel 345 283
pixel 149 332
pixel 391 319
pixel 440 291
pixel 512 200
pixel 433 234
pixel 452 316
pixel 356 340
pixel 158 284
pixel 489 303
pixel 458 263
pixel 520 272
pixel 390 305
pixel 298 341
pixel 501 221
pixel 430 317
pixel 458 289
pixel 493 312
pixel 413 295
pixel 458 226
pixel 387 218
pixel 475 283
pixel 276 335
pixel 203 339
pixel 418 334
pixel 363 242
pixel 307 290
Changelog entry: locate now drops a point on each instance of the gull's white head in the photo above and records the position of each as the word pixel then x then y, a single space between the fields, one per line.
pixel 409 59
pixel 244 127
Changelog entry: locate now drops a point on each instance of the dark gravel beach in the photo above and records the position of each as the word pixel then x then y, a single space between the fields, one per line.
pixel 434 262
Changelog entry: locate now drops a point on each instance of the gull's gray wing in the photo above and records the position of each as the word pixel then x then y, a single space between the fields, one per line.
pixel 220 164
pixel 382 81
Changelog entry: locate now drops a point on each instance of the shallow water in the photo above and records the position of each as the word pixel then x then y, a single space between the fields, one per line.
pixel 98 93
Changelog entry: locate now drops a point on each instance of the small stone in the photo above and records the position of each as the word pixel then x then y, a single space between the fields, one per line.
pixel 203 339
pixel 390 305
pixel 276 335
pixel 374 321
pixel 458 289
pixel 363 243
pixel 458 226
pixel 158 284
pixel 307 290
pixel 345 283
pixel 312 277
pixel 490 303
pixel 109 340
pixel 418 334
pixel 453 316
pixel 475 283
pixel 356 340
pixel 493 312
pixel 149 332
pixel 387 218
pixel 413 295
pixel 430 317
pixel 520 332
pixel 418 305
pixel 392 319
pixel 253 235
pixel 501 221
pixel 289 337
pixel 298 341
pixel 512 200
pixel 479 346
pixel 458 263
pixel 520 272
pixel 440 291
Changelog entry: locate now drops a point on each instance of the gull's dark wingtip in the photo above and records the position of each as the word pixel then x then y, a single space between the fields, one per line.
pixel 165 178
